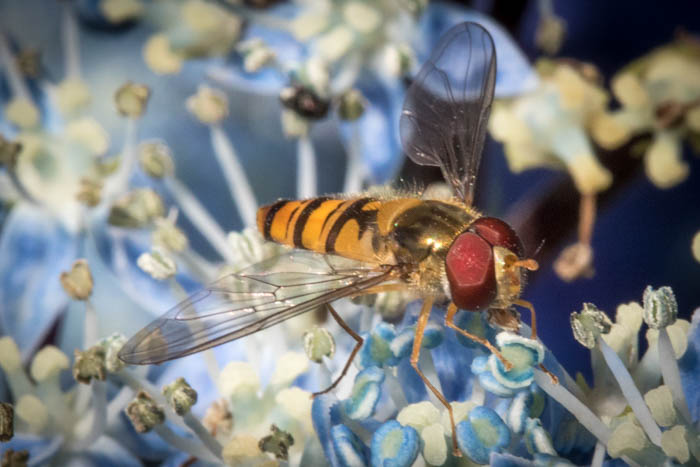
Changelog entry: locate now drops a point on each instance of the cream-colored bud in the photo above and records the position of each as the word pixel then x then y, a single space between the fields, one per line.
pixel 156 159
pixel 131 99
pixel 208 105
pixel 22 112
pixel 160 57
pixel 157 264
pixel 48 362
pixel 78 281
pixel 89 191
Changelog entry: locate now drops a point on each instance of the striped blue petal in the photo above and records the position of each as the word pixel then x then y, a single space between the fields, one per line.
pixel 349 449
pixel 365 394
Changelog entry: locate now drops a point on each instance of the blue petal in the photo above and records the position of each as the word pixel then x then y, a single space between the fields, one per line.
pixel 509 460
pixel 413 387
pixel 376 350
pixel 267 81
pixel 481 367
pixel 514 75
pixel 689 366
pixel 451 358
pixel 402 344
pixel 91 13
pixel 351 452
pixel 519 411
pixel 324 415
pixel 41 450
pixel 34 250
pixel 551 461
pixel 478 446
pixel 105 452
pixel 394 445
pixel 537 440
pixel 375 134
pixel 365 394
pixel 474 323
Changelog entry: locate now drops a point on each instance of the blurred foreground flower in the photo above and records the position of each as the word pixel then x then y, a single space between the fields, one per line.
pixel 659 94
pixel 548 128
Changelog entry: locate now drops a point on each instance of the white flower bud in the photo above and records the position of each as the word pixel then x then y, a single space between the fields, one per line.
pixel 157 264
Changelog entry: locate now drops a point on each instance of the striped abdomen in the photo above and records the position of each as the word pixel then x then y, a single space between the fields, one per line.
pixel 365 229
pixel 356 228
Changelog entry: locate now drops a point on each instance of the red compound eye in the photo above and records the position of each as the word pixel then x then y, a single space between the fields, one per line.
pixel 498 233
pixel 470 272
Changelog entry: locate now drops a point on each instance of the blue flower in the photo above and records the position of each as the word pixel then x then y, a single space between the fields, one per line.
pixel 365 394
pixel 394 445
pixel 376 350
pixel 349 449
pixel 482 433
pixel 521 352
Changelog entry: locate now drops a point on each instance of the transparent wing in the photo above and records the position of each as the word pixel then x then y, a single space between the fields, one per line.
pixel 256 298
pixel 447 107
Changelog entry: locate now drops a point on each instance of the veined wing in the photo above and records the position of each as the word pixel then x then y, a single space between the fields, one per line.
pixel 256 298
pixel 447 107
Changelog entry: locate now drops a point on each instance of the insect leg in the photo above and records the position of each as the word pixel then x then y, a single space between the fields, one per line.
pixel 415 354
pixel 449 322
pixel 359 341
pixel 528 305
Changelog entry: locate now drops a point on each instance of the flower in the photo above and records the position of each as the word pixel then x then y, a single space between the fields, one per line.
pixel 657 97
pixel 548 127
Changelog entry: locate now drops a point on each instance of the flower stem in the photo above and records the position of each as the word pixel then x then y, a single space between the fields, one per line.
pixel 97 417
pixel 119 181
pixel 582 413
pixel 354 173
pixel 17 85
pixel 630 391
pixel 91 332
pixel 671 374
pixel 598 455
pixel 190 446
pixel 117 404
pixel 306 169
pixel 70 39
pixel 202 433
pixel 199 216
pixel 237 181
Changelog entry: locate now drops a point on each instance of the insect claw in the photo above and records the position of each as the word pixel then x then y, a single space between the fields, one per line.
pixel 506 364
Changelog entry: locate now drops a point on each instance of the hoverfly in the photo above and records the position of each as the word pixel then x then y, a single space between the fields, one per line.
pixel 443 250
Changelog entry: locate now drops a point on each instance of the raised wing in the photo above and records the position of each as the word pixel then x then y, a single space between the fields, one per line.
pixel 256 298
pixel 447 107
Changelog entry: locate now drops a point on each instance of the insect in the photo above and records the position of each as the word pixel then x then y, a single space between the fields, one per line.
pixel 442 250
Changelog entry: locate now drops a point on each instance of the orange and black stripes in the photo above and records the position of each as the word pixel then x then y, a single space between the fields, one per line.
pixel 356 228
pixel 323 225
